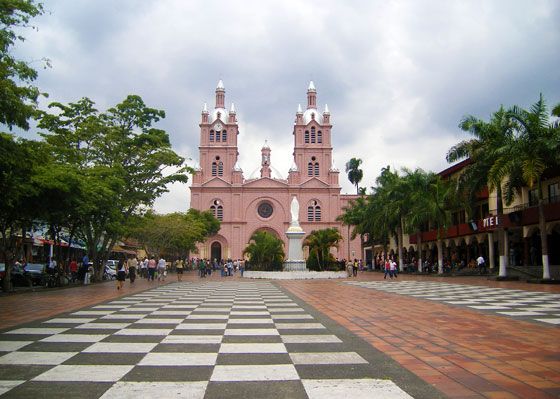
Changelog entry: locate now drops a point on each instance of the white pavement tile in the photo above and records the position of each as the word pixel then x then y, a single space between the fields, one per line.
pixel 310 339
pixel 120 347
pixel 103 326
pixel 251 331
pixel 171 313
pixel 92 313
pixel 521 313
pixel 85 373
pixel 124 316
pixel 253 348
pixel 292 316
pixel 179 359
pixel 248 313
pixel 144 331
pixel 353 388
pixel 75 338
pixel 37 331
pixel 69 320
pixel 327 358
pixel 150 390
pixel 147 320
pixel 10 346
pixel 193 316
pixel 6 385
pixel 192 339
pixel 138 309
pixel 250 321
pixel 298 326
pixel 550 321
pixel 201 326
pixel 40 358
pixel 275 372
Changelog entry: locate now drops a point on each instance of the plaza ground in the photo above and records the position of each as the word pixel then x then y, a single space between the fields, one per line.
pixel 428 348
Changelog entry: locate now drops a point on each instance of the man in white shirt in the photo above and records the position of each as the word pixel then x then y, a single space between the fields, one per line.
pixel 162 269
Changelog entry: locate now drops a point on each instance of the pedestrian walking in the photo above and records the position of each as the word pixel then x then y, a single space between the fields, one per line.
pixel 121 274
pixel 132 264
pixel 162 269
pixel 179 268
pixel 481 264
pixel 151 268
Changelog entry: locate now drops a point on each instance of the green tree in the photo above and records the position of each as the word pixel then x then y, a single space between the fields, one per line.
pixel 122 159
pixel 535 148
pixel 355 174
pixel 491 140
pixel 18 97
pixel 354 214
pixel 20 205
pixel 320 243
pixel 265 251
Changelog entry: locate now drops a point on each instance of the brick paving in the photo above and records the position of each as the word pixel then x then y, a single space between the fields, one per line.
pixel 465 354
pixel 462 353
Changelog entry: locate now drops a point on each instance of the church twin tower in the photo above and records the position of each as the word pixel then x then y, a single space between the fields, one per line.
pixel 263 202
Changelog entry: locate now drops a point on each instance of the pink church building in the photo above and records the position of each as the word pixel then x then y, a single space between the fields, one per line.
pixel 245 205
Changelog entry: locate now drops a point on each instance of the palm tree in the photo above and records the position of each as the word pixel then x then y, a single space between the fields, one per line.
pixel 437 202
pixel 355 174
pixel 320 243
pixel 355 214
pixel 491 140
pixel 418 183
pixel 535 147
pixel 265 250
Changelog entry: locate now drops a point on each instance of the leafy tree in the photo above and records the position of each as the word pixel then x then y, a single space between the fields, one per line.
pixel 20 204
pixel 354 214
pixel 265 251
pixel 355 174
pixel 320 243
pixel 18 97
pixel 536 147
pixel 491 140
pixel 122 160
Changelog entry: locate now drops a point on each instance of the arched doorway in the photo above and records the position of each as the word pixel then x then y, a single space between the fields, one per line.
pixel 216 251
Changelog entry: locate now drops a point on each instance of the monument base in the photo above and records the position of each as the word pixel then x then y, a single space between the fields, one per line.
pixel 294 266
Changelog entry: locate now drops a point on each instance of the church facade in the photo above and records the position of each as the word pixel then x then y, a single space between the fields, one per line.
pixel 262 202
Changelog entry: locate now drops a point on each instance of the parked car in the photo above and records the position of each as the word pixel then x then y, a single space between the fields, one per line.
pixel 110 271
pixel 36 272
pixel 25 276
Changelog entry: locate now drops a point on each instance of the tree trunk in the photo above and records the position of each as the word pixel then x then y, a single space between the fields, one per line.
pixel 544 241
pixel 419 244
pixel 501 234
pixel 440 255
pixel 399 243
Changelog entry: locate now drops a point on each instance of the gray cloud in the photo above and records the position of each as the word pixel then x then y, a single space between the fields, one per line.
pixel 397 76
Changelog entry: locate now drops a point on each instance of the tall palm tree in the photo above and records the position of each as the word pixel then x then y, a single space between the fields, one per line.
pixel 320 243
pixel 417 183
pixel 535 147
pixel 355 174
pixel 491 140
pixel 437 202
pixel 355 214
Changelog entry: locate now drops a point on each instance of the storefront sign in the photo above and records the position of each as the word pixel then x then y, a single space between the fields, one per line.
pixel 490 221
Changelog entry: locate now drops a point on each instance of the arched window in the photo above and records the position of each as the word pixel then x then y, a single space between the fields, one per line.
pixel 217 136
pixel 220 214
pixel 317 213
pixel 310 169
pixel 316 168
pixel 217 210
pixel 319 137
pixel 224 136
pixel 306 136
pixel 310 213
pixel 220 168
pixel 313 135
pixel 214 168
pixel 213 209
pixel 211 135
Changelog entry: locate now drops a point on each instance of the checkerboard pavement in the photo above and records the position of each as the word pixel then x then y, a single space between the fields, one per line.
pixel 189 340
pixel 540 307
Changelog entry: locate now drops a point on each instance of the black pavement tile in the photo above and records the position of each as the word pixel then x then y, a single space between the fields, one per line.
pixel 134 338
pixel 251 339
pixel 55 347
pixel 105 359
pixel 21 372
pixel 232 326
pixel 56 390
pixel 197 332
pixel 169 373
pixel 254 389
pixel 23 337
pixel 187 348
pixel 253 358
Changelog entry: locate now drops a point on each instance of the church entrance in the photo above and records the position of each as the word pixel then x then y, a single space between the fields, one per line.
pixel 216 252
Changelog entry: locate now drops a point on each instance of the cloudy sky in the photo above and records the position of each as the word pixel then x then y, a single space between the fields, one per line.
pixel 397 75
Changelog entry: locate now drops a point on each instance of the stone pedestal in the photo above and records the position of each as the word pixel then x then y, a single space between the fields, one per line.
pixel 295 260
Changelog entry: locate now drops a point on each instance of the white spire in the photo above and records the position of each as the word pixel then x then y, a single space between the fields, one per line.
pixel 265 146
pixel 294 167
pixel 220 85
pixel 311 86
pixel 326 111
pixel 237 168
pixel 333 167
pixel 232 110
pixel 205 108
pixel 299 111
pixel 197 167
